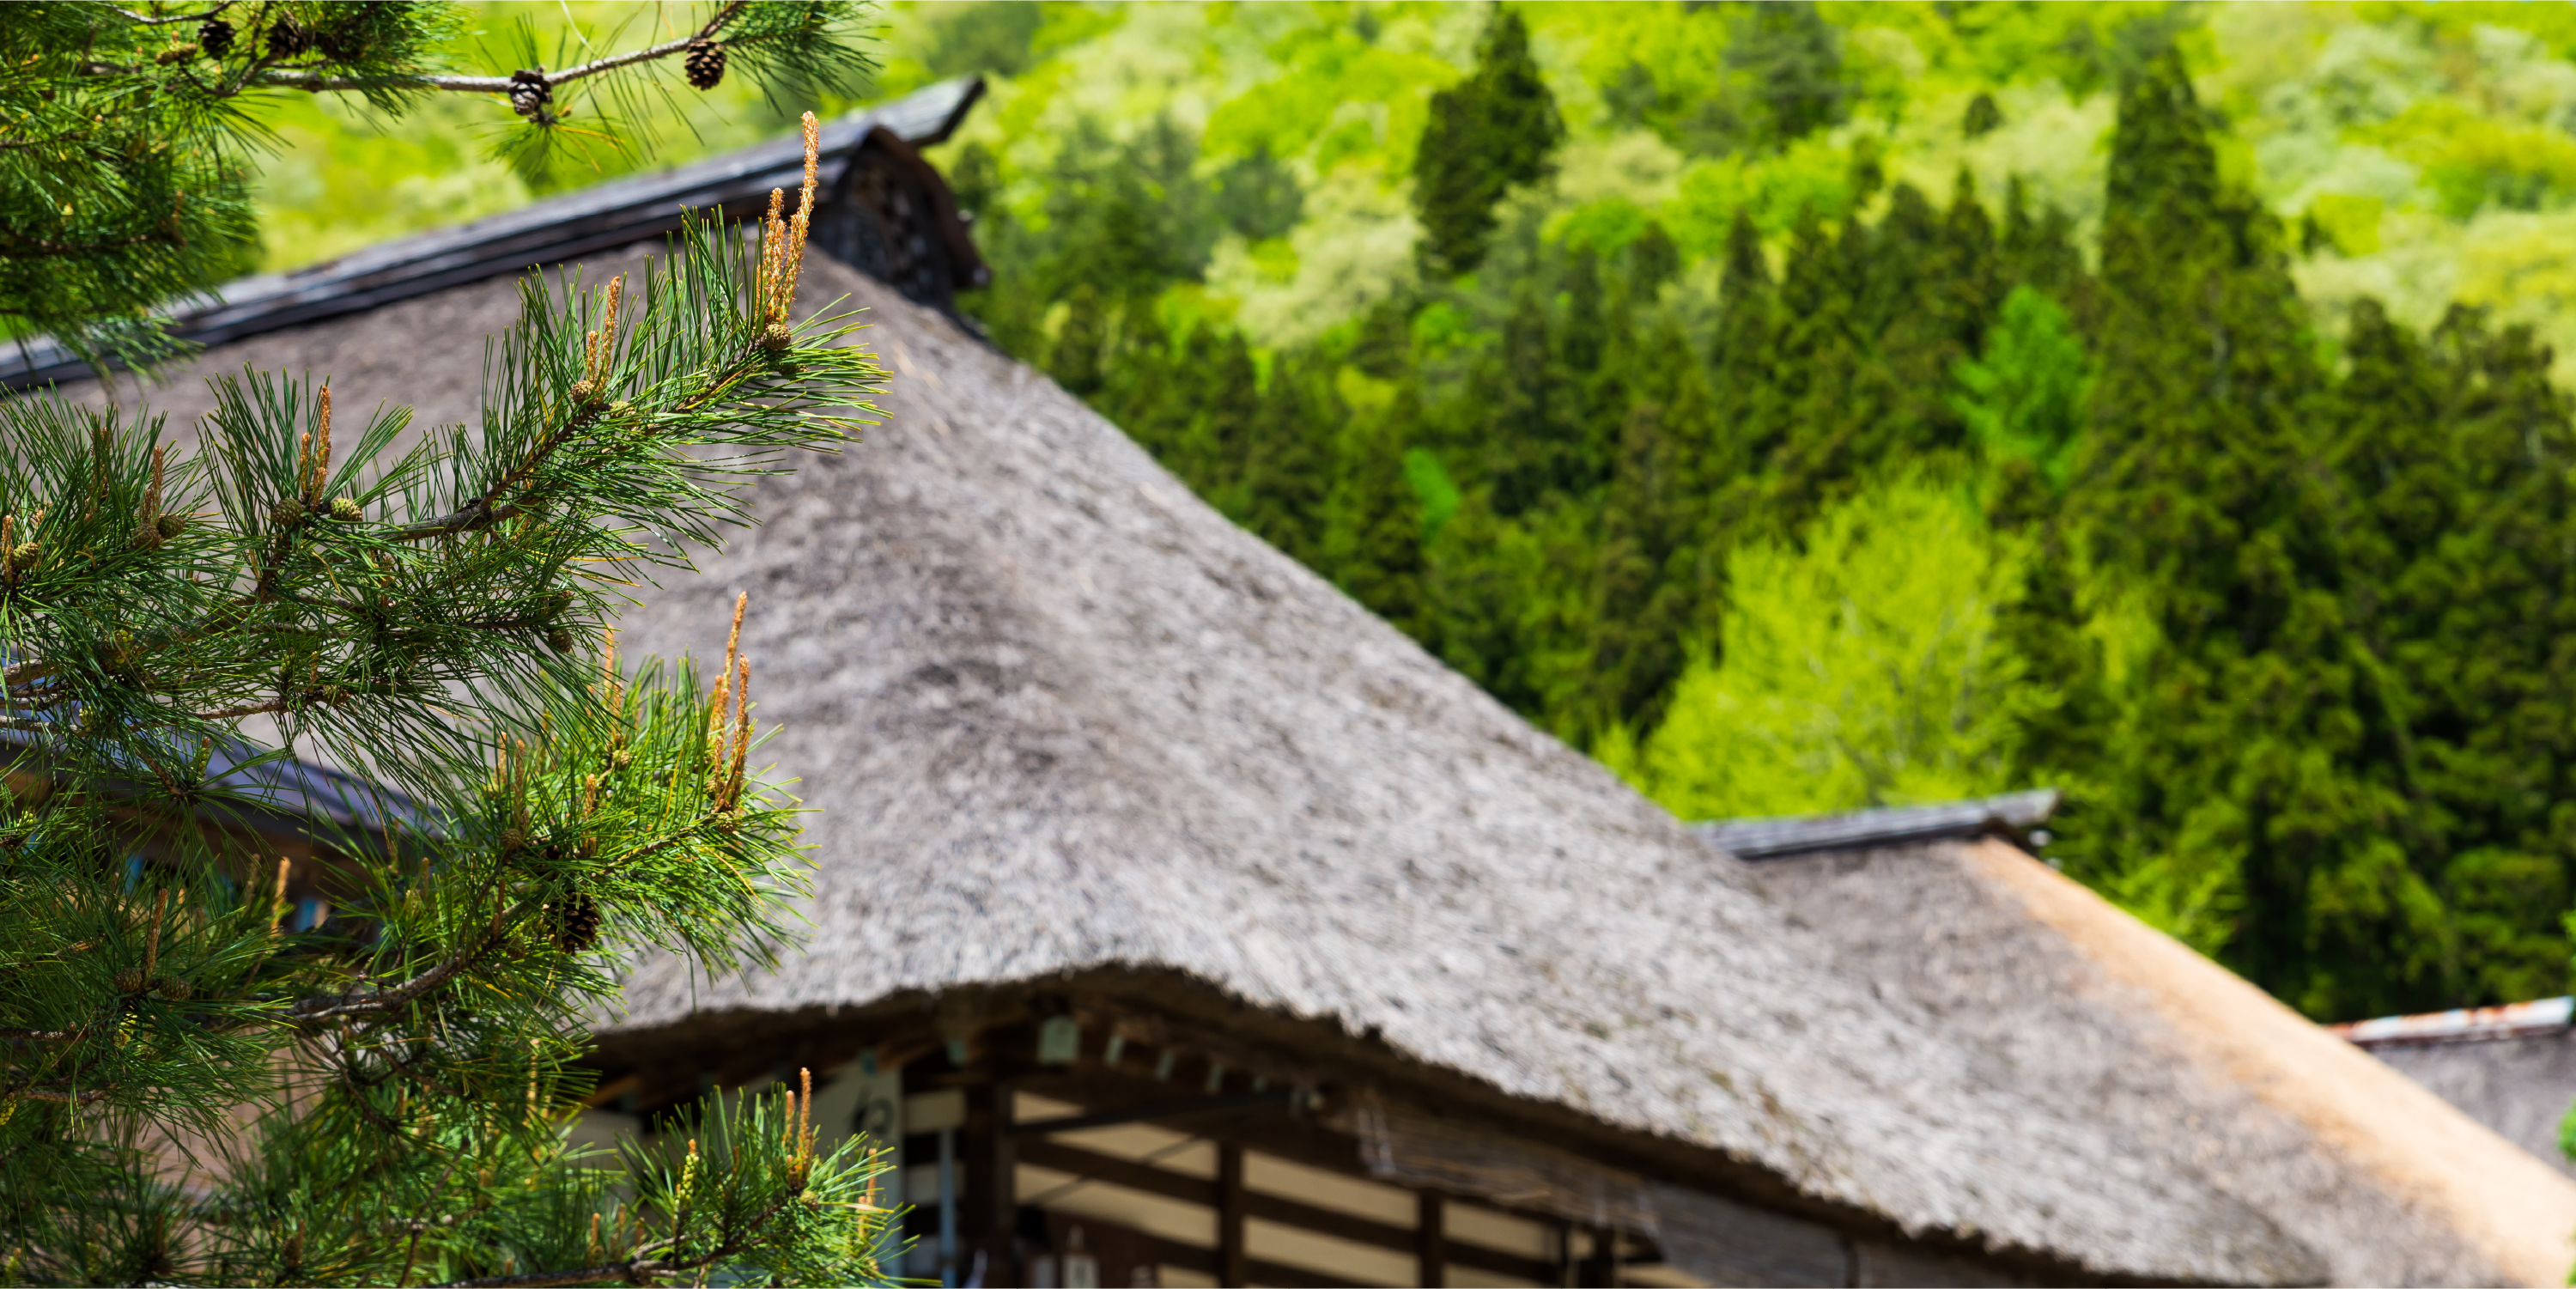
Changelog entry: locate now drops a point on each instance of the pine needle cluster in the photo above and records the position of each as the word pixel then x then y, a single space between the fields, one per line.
pixel 125 133
pixel 233 1054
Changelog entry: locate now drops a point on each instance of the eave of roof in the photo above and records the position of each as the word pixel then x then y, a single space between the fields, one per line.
pixel 617 213
pixel 2014 815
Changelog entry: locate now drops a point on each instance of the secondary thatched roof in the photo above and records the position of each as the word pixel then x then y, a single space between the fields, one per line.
pixel 2511 1068
pixel 2073 1002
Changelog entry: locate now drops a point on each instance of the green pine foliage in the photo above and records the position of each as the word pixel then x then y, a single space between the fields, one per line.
pixel 361 1064
pixel 132 133
pixel 1487 133
pixel 201 1088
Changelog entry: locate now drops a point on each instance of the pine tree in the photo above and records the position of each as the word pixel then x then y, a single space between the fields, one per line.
pixel 1372 540
pixel 123 185
pixel 1495 129
pixel 1533 436
pixel 2241 782
pixel 2454 562
pixel 1654 584
pixel 1793 60
pixel 202 1091
pixel 1828 395
pixel 1747 335
pixel 1288 463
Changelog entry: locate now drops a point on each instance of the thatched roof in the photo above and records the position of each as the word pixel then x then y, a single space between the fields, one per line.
pixel 2511 1068
pixel 2070 1001
pixel 1060 720
pixel 1058 717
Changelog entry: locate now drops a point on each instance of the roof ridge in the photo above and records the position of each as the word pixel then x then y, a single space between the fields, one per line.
pixel 2016 815
pixel 616 212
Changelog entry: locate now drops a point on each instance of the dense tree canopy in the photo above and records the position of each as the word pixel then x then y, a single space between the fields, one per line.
pixel 2276 603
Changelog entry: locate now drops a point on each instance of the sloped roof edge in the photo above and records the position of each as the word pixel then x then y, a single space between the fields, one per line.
pixel 617 213
pixel 2014 814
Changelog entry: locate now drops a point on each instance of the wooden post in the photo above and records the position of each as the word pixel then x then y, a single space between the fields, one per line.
pixel 1430 1241
pixel 999 1160
pixel 1564 1254
pixel 1602 1268
pixel 986 1204
pixel 1232 1263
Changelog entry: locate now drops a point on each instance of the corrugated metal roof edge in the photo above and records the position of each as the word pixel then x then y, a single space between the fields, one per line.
pixel 2539 1016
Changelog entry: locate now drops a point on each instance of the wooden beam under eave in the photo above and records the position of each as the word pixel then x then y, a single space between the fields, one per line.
pixel 1232 1259
pixel 1430 1240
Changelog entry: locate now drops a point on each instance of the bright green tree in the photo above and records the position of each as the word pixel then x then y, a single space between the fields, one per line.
pixel 1863 668
pixel 201 1088
pixel 2024 399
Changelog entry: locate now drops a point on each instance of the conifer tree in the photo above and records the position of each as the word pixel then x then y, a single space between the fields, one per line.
pixel 2241 768
pixel 1372 539
pixel 1654 585
pixel 1747 334
pixel 2454 521
pixel 1495 129
pixel 1793 60
pixel 225 1067
pixel 128 129
pixel 1288 464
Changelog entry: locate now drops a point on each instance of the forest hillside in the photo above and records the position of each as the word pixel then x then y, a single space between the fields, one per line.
pixel 1810 406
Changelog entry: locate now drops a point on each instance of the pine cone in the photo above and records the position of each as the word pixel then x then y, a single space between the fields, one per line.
pixel 285 512
pixel 129 981
pixel 529 93
pixel 576 923
pixel 705 63
pixel 560 639
pixel 287 39
pixel 171 525
pixel 346 510
pixel 21 557
pixel 215 36
pixel 173 988
pixel 147 537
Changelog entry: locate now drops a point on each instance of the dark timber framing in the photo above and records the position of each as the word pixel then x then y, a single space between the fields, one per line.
pixel 1236 1095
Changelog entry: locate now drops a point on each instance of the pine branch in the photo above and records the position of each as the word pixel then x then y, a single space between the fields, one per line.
pixel 288 79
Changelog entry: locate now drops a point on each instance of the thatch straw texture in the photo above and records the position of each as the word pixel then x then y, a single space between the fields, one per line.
pixel 1059 717
pixel 2072 1001
pixel 2521 1087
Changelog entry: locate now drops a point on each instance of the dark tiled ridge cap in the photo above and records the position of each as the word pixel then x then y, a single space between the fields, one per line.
pixel 2015 815
pixel 618 213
